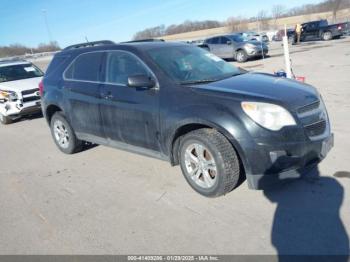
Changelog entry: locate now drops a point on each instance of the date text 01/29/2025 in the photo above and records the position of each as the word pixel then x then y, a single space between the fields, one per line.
pixel 173 258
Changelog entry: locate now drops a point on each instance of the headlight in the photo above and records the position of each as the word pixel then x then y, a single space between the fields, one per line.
pixel 251 46
pixel 8 95
pixel 270 116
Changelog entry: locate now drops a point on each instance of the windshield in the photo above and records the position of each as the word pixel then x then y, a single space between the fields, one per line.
pixel 18 72
pixel 188 64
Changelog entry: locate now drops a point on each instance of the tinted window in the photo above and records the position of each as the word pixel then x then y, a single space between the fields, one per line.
pixel 323 23
pixel 86 67
pixel 121 65
pixel 215 41
pixel 224 40
pixel 18 72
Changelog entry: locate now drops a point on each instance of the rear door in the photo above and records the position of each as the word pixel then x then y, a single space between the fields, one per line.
pixel 214 45
pixel 226 47
pixel 129 115
pixel 81 90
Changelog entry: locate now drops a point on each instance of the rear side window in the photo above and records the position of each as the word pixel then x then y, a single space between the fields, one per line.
pixel 121 65
pixel 86 67
pixel 215 40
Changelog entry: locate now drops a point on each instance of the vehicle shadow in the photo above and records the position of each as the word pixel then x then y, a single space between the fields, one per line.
pixel 87 146
pixel 29 117
pixel 307 221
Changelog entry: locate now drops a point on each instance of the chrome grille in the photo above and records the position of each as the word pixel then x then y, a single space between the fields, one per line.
pixel 316 129
pixel 30 95
pixel 314 119
pixel 30 91
pixel 309 107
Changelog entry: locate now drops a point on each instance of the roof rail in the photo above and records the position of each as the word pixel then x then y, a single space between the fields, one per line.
pixel 89 44
pixel 144 40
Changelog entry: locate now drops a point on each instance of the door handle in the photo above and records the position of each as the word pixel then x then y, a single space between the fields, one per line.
pixel 108 95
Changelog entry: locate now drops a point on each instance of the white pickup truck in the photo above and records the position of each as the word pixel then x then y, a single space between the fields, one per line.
pixel 19 91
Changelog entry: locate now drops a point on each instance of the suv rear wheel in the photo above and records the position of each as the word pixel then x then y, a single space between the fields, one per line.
pixel 209 162
pixel 63 134
pixel 5 120
pixel 327 36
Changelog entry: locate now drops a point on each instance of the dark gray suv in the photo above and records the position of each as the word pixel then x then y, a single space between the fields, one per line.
pixel 179 103
pixel 235 47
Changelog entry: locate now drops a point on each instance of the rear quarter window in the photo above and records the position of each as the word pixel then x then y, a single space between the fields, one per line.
pixel 86 67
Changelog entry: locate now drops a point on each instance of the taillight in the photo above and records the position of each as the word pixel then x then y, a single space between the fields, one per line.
pixel 41 88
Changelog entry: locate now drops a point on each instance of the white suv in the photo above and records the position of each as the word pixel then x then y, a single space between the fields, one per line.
pixel 19 92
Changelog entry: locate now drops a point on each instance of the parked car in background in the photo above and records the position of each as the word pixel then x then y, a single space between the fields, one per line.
pixel 254 36
pixel 182 104
pixel 280 33
pixel 19 93
pixel 346 29
pixel 320 30
pixel 235 47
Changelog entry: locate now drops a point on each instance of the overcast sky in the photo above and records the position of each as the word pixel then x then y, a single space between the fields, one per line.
pixel 70 21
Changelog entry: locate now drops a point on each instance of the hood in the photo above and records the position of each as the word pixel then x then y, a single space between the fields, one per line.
pixel 21 85
pixel 264 87
pixel 256 43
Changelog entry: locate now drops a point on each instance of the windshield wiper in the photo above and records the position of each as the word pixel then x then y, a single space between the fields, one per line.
pixel 202 81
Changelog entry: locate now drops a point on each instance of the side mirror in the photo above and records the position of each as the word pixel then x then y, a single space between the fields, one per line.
pixel 141 81
pixel 229 42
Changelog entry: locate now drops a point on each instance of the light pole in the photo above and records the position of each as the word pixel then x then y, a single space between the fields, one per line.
pixel 47 24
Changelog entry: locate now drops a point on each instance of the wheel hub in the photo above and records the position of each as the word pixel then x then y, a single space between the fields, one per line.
pixel 61 134
pixel 200 165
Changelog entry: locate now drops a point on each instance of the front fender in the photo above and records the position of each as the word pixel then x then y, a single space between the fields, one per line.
pixel 221 119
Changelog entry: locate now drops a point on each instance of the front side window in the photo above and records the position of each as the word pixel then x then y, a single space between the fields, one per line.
pixel 19 72
pixel 86 67
pixel 188 64
pixel 238 38
pixel 121 65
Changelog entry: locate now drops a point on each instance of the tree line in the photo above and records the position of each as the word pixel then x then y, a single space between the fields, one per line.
pixel 19 49
pixel 239 23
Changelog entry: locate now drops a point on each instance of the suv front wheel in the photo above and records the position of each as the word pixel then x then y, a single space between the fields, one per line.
pixel 209 162
pixel 63 134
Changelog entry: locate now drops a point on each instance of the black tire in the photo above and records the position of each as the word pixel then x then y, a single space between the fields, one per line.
pixel 73 144
pixel 241 56
pixel 5 120
pixel 327 36
pixel 224 155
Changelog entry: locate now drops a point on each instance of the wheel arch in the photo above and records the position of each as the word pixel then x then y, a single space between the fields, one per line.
pixel 50 111
pixel 187 127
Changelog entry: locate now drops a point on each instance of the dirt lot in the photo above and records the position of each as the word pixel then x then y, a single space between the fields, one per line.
pixel 106 201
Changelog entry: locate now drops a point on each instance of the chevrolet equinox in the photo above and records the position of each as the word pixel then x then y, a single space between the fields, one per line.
pixel 182 104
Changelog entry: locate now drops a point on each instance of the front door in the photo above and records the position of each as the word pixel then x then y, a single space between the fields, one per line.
pixel 129 115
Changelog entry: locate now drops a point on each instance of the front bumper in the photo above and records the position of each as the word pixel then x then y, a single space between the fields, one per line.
pixel 256 52
pixel 15 109
pixel 282 162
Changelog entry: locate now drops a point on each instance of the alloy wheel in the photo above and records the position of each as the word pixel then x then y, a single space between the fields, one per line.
pixel 61 134
pixel 200 165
